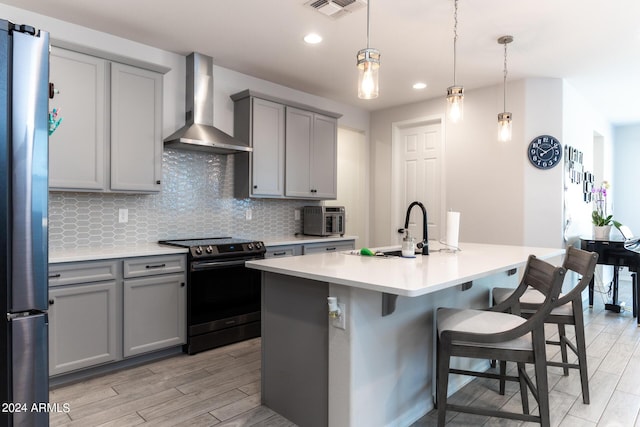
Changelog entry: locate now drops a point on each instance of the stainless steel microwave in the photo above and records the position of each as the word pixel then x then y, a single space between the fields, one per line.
pixel 323 220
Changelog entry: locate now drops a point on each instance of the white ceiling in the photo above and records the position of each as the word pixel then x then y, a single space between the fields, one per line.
pixel 593 44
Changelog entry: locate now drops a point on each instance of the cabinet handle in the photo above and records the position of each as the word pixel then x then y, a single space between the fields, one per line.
pixel 158 182
pixel 182 285
pixel 279 253
pixel 331 249
pixel 156 266
pixel 314 191
pixel 51 302
pixel 255 186
pixel 54 276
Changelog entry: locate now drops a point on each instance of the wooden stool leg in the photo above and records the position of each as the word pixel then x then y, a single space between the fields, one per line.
pixel 563 348
pixel 582 350
pixel 443 357
pixel 503 372
pixel 541 378
pixel 523 388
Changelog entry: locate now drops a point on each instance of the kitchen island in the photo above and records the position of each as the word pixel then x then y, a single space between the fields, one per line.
pixel 374 365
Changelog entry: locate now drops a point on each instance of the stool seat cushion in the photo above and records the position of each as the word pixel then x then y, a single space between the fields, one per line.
pixel 533 297
pixel 483 322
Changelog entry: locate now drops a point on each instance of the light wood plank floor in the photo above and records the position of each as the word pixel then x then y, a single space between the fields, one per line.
pixel 222 387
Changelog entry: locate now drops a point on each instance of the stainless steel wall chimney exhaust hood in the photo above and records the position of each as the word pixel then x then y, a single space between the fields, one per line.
pixel 198 133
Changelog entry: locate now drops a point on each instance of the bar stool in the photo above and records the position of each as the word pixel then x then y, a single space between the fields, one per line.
pixel 567 310
pixel 494 334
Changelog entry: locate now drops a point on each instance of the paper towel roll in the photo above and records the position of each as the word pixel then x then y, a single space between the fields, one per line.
pixel 453 228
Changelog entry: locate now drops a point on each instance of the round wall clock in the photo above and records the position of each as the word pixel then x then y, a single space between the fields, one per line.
pixel 544 151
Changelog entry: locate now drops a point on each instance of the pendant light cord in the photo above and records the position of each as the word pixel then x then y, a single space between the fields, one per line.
pixel 368 3
pixel 504 99
pixel 455 38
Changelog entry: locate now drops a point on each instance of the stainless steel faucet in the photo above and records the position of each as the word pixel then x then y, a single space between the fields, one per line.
pixel 424 245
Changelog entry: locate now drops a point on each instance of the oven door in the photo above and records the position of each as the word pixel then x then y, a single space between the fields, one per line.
pixel 223 302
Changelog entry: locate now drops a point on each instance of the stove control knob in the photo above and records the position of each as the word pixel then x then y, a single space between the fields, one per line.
pixel 198 250
pixel 209 249
pixel 250 246
pixel 258 245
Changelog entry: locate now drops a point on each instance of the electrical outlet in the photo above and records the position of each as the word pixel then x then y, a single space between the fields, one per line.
pixel 296 214
pixel 340 322
pixel 248 214
pixel 123 215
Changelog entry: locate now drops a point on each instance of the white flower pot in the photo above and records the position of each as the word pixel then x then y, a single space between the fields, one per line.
pixel 601 232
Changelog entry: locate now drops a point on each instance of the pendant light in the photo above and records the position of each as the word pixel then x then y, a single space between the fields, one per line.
pixel 368 65
pixel 455 93
pixel 504 118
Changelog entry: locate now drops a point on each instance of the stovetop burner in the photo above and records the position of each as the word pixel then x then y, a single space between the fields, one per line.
pixel 218 247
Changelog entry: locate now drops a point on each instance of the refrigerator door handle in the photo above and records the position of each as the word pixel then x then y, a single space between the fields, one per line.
pixel 30 179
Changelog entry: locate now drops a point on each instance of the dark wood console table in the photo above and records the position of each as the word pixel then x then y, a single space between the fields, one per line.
pixel 613 252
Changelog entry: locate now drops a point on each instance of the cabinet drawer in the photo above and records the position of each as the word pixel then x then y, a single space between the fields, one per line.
pixel 316 248
pixel 282 251
pixel 151 266
pixel 85 272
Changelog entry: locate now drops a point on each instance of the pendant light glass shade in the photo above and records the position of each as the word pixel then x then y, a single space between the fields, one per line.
pixel 455 103
pixel 504 127
pixel 368 65
pixel 504 118
pixel 368 62
pixel 455 93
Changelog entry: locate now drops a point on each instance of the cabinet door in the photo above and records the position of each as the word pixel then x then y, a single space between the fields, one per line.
pixel 268 149
pixel 83 326
pixel 299 134
pixel 77 148
pixel 154 313
pixel 136 129
pixel 324 161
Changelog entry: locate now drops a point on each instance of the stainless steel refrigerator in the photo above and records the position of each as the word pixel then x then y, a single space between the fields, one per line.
pixel 24 90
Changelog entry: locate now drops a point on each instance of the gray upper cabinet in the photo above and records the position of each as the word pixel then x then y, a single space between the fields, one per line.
pixel 260 123
pixel 136 129
pixel 311 156
pixel 294 148
pixel 110 138
pixel 81 80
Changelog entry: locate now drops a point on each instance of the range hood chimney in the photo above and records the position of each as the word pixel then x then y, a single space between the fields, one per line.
pixel 198 133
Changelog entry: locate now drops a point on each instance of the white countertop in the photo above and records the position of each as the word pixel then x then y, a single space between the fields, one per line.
pixel 95 253
pixel 406 276
pixel 149 249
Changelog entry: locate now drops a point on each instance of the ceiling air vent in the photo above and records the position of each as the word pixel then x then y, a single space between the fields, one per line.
pixel 336 8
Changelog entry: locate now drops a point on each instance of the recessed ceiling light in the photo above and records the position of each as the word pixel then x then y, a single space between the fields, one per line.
pixel 419 85
pixel 313 38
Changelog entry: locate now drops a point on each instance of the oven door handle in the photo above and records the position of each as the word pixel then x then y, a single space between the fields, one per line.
pixel 207 265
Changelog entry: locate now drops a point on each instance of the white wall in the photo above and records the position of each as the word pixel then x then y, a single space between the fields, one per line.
pixel 582 126
pixel 627 152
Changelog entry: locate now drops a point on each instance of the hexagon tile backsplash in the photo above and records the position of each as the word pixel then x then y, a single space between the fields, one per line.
pixel 196 201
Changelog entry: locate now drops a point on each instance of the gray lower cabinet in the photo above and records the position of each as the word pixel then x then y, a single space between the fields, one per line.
pixel 84 316
pixel 337 246
pixel 103 311
pixel 154 313
pixel 309 248
pixel 283 251
pixel 155 296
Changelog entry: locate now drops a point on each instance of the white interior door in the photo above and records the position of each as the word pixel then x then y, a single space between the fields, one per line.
pixel 418 171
